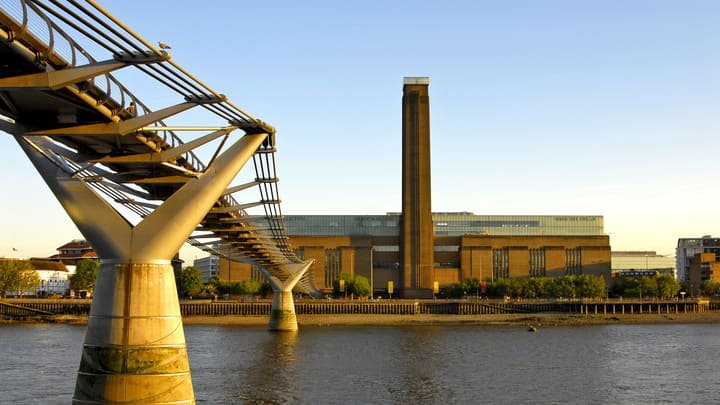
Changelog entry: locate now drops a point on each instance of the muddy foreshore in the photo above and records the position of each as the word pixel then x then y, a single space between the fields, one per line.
pixel 539 319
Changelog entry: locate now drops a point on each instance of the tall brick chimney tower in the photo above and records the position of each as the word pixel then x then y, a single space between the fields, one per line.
pixel 416 245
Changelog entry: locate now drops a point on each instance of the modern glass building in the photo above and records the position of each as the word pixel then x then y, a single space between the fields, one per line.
pixel 447 224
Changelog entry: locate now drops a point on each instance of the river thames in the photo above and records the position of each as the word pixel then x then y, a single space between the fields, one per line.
pixel 443 364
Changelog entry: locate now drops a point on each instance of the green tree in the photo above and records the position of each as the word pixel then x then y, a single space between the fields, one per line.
pixel 265 289
pixel 667 286
pixel 502 287
pixel 590 286
pixel 347 281
pixel 648 287
pixel 357 285
pixel 190 281
pixel 14 274
pixel 361 286
pixel 28 280
pixel 565 287
pixel 709 288
pixel 545 286
pixel 85 275
pixel 531 288
pixel 471 286
pixel 625 287
pixel 8 276
pixel 250 287
pixel 452 291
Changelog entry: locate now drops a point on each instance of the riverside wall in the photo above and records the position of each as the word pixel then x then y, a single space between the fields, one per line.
pixel 40 307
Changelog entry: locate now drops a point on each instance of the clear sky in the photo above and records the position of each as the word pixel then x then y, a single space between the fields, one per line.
pixel 605 108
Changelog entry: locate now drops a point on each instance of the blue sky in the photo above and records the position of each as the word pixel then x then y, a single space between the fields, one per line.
pixel 537 107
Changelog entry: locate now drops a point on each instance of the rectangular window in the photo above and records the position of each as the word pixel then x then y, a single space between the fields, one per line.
pixel 501 263
pixel 256 273
pixel 536 265
pixel 573 261
pixel 333 264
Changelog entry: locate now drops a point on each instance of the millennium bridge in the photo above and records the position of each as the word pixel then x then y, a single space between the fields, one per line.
pixel 139 180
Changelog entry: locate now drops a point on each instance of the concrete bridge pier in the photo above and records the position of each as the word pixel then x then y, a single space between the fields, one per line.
pixel 135 350
pixel 282 313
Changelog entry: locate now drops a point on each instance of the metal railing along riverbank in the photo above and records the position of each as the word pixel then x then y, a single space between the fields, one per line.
pixel 35 307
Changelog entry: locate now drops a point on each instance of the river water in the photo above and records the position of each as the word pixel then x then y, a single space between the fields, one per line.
pixel 447 364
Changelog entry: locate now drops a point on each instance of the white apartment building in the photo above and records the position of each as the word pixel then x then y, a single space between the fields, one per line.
pixel 209 267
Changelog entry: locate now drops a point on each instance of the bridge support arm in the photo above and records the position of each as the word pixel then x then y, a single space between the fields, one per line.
pixel 135 349
pixel 60 78
pixel 282 313
pixel 121 128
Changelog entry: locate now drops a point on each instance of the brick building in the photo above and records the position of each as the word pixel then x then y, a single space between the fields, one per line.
pixel 418 249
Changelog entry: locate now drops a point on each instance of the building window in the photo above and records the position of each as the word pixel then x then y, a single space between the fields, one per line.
pixel 573 261
pixel 256 274
pixel 536 262
pixel 501 263
pixel 333 264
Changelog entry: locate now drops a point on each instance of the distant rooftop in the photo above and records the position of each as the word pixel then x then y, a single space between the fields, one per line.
pixel 76 244
pixel 638 253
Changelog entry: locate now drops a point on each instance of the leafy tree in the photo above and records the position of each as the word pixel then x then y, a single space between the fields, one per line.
pixel 347 278
pixel 661 286
pixel 265 288
pixel 546 286
pixel 648 286
pixel 626 287
pixel 357 285
pixel 589 286
pixel 502 287
pixel 709 287
pixel 668 286
pixel 452 291
pixel 361 286
pixel 8 276
pixel 565 287
pixel 532 288
pixel 85 275
pixel 249 287
pixel 15 274
pixel 470 286
pixel 28 280
pixel 190 281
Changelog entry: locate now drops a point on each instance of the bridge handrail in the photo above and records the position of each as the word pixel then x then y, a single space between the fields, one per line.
pixel 58 60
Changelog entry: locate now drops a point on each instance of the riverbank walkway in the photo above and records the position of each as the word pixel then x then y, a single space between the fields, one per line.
pixel 39 307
